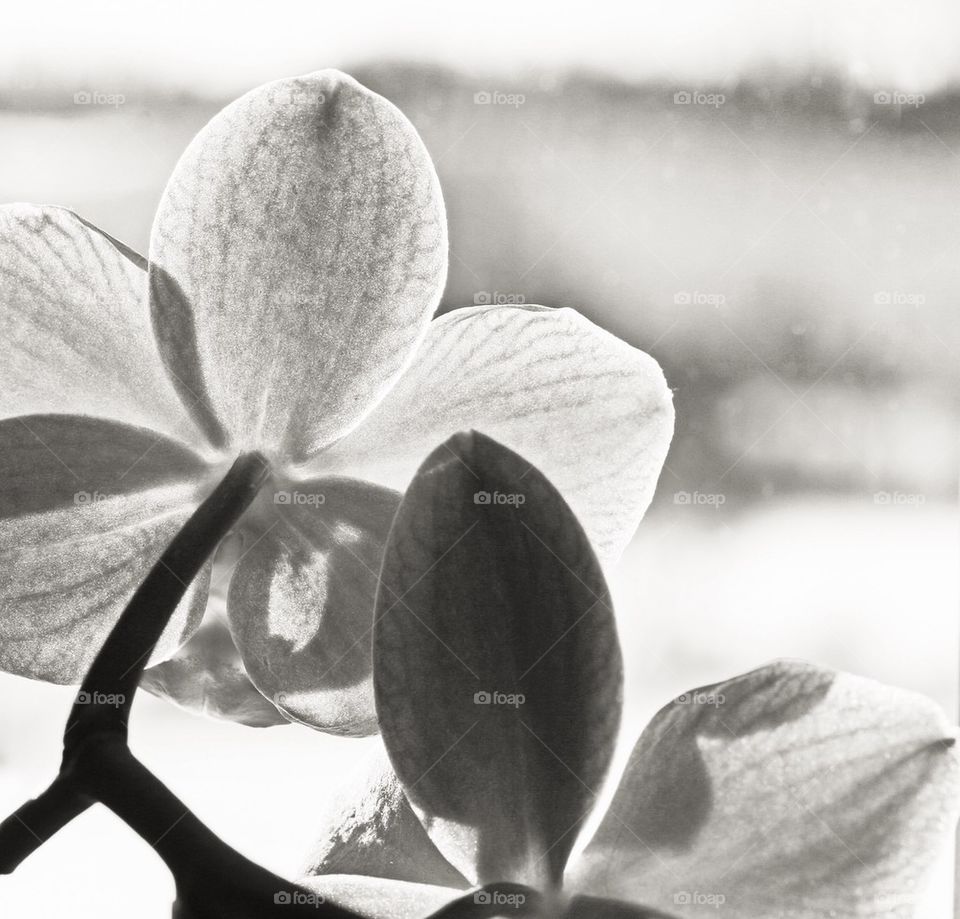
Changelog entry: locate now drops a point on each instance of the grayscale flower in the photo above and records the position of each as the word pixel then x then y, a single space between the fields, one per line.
pixel 295 262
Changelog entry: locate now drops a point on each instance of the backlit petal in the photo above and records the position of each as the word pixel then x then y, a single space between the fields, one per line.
pixel 75 331
pixel 791 791
pixel 497 668
pixel 207 676
pixel 594 414
pixel 86 508
pixel 297 255
pixel 301 600
pixel 376 898
pixel 372 830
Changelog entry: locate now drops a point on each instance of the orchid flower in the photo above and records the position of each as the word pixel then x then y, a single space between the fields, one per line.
pixel 791 791
pixel 295 262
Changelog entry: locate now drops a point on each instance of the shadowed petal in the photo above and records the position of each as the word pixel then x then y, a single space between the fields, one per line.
pixel 75 331
pixel 497 667
pixel 298 252
pixel 301 600
pixel 592 413
pixel 86 508
pixel 377 898
pixel 791 791
pixel 372 830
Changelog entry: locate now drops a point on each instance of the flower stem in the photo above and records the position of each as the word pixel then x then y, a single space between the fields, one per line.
pixel 115 672
pixel 213 880
pixel 33 823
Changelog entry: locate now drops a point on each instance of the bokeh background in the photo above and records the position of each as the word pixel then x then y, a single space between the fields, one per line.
pixel 764 198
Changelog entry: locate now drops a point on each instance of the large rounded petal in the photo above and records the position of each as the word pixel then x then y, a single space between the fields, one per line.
pixel 86 508
pixel 372 830
pixel 791 791
pixel 301 600
pixel 594 414
pixel 497 668
pixel 298 252
pixel 75 331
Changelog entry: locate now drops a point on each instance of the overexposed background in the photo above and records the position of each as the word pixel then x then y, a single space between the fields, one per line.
pixel 783 238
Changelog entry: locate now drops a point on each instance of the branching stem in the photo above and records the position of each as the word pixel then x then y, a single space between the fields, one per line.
pixel 213 880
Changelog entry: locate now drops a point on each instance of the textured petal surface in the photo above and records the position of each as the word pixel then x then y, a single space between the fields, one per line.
pixel 206 675
pixel 86 508
pixel 497 667
pixel 791 791
pixel 377 898
pixel 372 830
pixel 297 255
pixel 75 330
pixel 301 600
pixel 594 414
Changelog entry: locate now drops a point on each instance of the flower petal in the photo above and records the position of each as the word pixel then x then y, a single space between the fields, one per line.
pixel 497 668
pixel 301 600
pixel 377 898
pixel 87 507
pixel 791 791
pixel 207 676
pixel 75 331
pixel 592 413
pixel 297 255
pixel 372 830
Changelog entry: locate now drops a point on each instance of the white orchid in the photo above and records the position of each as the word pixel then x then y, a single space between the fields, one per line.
pixel 792 791
pixel 297 257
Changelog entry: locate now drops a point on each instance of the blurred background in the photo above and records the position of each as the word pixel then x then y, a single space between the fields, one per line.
pixel 765 198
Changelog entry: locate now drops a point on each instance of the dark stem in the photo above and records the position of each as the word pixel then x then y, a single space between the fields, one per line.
pixel 213 880
pixel 107 691
pixel 106 695
pixel 33 823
